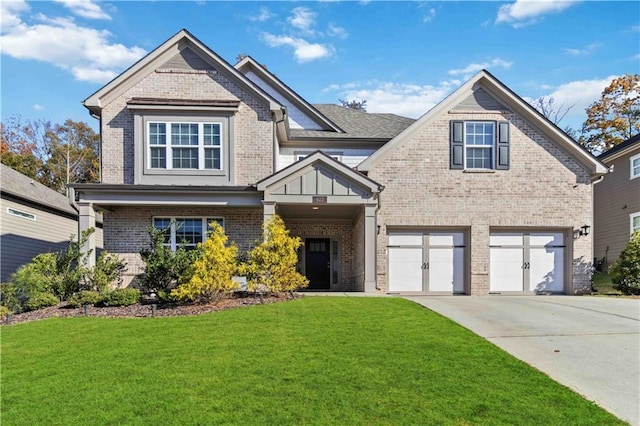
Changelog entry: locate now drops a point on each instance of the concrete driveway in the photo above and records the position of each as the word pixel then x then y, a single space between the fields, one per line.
pixel 590 344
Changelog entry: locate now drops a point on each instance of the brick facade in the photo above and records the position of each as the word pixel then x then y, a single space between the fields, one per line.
pixel 126 229
pixel 253 132
pixel 544 188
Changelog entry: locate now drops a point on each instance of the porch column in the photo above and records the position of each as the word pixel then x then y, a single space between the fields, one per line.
pixel 269 211
pixel 86 220
pixel 370 248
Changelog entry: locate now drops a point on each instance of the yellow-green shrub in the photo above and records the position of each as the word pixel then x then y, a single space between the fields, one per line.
pixel 212 273
pixel 272 263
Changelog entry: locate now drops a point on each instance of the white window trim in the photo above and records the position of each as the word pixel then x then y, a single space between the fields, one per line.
pixel 631 217
pixel 172 219
pixel 491 147
pixel 169 147
pixel 631 160
pixel 21 214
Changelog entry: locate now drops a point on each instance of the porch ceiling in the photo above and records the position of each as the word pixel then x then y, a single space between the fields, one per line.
pixel 320 212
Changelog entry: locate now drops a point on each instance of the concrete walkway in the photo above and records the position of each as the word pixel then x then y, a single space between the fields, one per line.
pixel 590 344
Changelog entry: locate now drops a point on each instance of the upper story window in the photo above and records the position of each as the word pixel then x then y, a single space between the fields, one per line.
pixel 479 140
pixel 184 145
pixel 479 145
pixel 635 222
pixel 635 166
pixel 187 231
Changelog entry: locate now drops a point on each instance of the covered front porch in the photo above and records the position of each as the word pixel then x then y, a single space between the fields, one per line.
pixel 332 208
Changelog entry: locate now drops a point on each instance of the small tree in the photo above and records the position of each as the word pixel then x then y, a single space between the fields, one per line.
pixel 107 270
pixel 163 266
pixel 272 263
pixel 625 273
pixel 212 273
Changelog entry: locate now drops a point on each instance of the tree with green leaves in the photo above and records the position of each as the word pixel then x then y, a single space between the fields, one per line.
pixel 54 155
pixel 615 117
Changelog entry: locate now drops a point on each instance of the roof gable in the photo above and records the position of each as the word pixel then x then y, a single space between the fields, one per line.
pixel 484 90
pixel 320 174
pixel 302 114
pixel 182 51
pixel 627 147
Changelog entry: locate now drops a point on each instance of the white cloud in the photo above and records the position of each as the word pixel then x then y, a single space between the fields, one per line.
pixel 10 14
pixel 303 19
pixel 264 15
pixel 336 31
pixel 526 12
pixel 428 17
pixel 633 29
pixel 37 107
pixel 409 100
pixel 86 52
pixel 303 50
pixel 85 8
pixel 587 50
pixel 473 68
pixel 580 94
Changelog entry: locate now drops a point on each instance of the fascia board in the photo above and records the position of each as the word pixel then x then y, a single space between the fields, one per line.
pixel 249 64
pixel 161 54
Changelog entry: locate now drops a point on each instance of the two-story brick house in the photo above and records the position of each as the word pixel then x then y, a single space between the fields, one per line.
pixel 480 195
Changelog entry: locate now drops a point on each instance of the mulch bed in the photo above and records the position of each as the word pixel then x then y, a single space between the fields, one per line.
pixel 145 310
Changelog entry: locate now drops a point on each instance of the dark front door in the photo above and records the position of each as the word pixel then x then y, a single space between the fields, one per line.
pixel 317 262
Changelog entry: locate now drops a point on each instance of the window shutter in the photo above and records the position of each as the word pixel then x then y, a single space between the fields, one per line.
pixel 457 145
pixel 502 146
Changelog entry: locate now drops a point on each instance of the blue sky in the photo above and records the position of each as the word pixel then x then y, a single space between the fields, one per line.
pixel 401 56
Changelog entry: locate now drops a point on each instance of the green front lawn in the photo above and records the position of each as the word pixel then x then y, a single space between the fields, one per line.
pixel 317 360
pixel 603 286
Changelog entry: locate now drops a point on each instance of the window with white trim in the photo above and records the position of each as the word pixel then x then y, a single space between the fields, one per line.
pixel 20 213
pixel 635 166
pixel 335 156
pixel 186 231
pixel 635 222
pixel 184 145
pixel 479 139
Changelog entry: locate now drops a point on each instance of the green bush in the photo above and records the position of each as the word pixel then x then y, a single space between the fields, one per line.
pixel 38 276
pixel 121 297
pixel 85 297
pixel 9 298
pixel 107 270
pixel 163 267
pixel 625 273
pixel 40 300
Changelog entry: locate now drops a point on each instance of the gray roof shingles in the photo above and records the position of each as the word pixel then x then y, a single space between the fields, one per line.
pixel 21 186
pixel 356 124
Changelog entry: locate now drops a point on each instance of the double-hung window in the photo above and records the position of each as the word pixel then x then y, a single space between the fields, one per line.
pixel 184 145
pixel 479 140
pixel 480 145
pixel 186 231
pixel 635 222
pixel 635 166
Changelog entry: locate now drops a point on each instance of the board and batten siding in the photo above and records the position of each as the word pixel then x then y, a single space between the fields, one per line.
pixel 615 199
pixel 24 238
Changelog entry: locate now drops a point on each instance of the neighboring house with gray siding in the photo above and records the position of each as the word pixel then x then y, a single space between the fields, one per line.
pixel 34 219
pixel 480 195
pixel 617 201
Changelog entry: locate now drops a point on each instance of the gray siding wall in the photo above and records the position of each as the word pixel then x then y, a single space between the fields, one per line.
pixel 544 188
pixel 615 198
pixel 23 239
pixel 252 129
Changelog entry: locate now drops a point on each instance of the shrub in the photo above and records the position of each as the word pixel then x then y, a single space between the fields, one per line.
pixel 163 267
pixel 121 297
pixel 38 276
pixel 9 298
pixel 211 273
pixel 107 270
pixel 625 273
pixel 85 297
pixel 40 300
pixel 4 311
pixel 272 263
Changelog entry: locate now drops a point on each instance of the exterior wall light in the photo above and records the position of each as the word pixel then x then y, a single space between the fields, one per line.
pixel 584 230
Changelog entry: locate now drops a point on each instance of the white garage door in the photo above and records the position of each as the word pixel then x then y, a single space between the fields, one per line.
pixel 532 262
pixel 426 262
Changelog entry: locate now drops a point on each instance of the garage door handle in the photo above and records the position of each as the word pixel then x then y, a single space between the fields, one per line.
pixel 425 266
pixel 526 265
